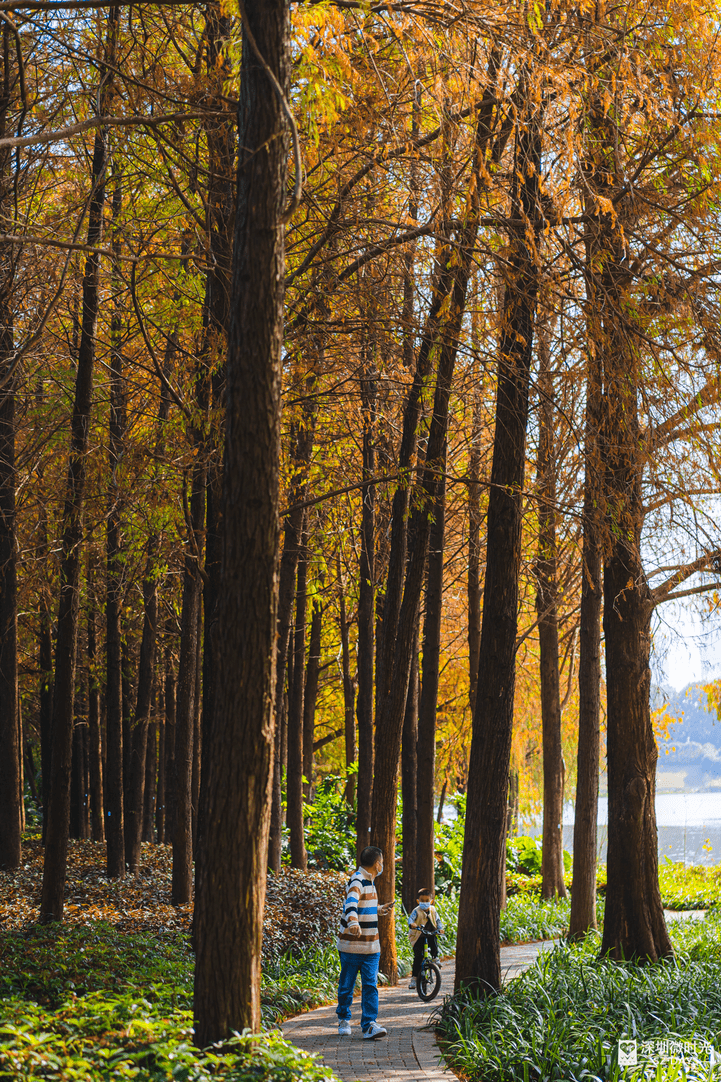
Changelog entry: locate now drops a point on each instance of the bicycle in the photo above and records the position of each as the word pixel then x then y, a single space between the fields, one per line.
pixel 428 984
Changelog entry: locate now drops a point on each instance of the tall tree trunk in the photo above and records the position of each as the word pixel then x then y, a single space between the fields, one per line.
pixel 444 321
pixel 366 609
pixel 56 847
pixel 478 950
pixel 231 878
pixel 585 827
pixel 10 748
pixel 151 783
pixel 294 781
pixel 275 830
pixel 634 924
pixel 182 884
pixel 134 814
pixel 302 436
pixel 45 664
pixel 552 882
pixel 79 807
pixel 220 137
pixel 348 692
pixel 310 695
pixel 95 752
pixel 425 859
pixel 474 550
pixel 161 794
pixel 116 777
pixel 409 789
pixel 197 732
pixel 171 687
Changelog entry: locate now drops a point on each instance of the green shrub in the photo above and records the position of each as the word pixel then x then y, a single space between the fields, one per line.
pixel 330 826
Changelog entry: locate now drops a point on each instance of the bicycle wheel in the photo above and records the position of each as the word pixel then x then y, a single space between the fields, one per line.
pixel 429 981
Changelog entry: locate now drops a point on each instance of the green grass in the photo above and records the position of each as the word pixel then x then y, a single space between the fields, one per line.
pixel 563 1018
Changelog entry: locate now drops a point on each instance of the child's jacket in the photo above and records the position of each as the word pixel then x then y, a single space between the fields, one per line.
pixel 427 916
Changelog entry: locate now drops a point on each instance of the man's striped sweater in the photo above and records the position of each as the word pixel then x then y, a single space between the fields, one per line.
pixel 360 907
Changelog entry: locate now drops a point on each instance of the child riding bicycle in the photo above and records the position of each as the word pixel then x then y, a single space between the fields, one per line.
pixel 424 918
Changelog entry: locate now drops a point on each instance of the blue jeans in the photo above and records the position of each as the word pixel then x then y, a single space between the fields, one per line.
pixel 350 964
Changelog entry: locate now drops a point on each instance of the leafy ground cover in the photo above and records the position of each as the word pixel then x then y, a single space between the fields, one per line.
pixel 689 887
pixel 108 994
pixel 84 1002
pixel 564 1017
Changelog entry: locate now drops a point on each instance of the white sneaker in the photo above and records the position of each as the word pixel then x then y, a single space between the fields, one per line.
pixel 344 1028
pixel 374 1031
pixel 412 985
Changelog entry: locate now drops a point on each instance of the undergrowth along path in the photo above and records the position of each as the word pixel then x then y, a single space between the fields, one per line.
pixel 409 1053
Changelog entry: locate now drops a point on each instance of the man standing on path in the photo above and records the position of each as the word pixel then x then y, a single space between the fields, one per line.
pixel 359 945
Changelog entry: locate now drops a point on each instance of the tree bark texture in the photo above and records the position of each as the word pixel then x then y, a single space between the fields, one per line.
pixel 116 778
pixel 366 609
pixel 170 685
pixel 11 797
pixel 474 552
pixel 348 693
pixel 151 783
pixel 56 845
pixel 409 788
pixel 585 828
pixel 478 951
pixel 220 210
pixel 182 884
pixel 237 775
pixel 634 924
pixel 294 780
pixel 302 436
pixel 311 695
pixel 425 859
pixel 134 817
pixel 552 881
pixel 45 664
pixel 95 749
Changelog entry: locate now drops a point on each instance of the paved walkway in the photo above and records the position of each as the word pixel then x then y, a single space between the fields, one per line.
pixel 409 1052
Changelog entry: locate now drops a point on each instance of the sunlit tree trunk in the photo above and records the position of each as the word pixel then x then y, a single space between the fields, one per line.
pixel 116 779
pixel 443 324
pixel 296 687
pixel 478 949
pixel 56 842
pixel 237 776
pixel 348 691
pixel 311 695
pixel 425 843
pixel 366 609
pixel 552 882
pixel 302 434
pixel 10 748
pixel 409 788
pixel 585 828
pixel 95 740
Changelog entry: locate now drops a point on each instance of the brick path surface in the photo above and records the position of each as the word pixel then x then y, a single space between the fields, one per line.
pixel 409 1053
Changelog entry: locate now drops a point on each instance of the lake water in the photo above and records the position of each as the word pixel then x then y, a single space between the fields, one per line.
pixel 689 827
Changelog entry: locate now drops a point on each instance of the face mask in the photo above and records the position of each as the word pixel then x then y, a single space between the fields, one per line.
pixel 425 906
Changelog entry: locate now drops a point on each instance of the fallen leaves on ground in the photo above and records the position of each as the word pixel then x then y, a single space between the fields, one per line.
pixel 302 908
